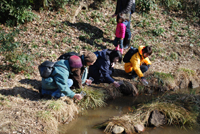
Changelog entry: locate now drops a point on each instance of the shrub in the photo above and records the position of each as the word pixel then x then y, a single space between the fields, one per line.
pixel 190 7
pixel 145 5
pixel 17 56
pixel 56 4
pixel 15 12
pixel 7 41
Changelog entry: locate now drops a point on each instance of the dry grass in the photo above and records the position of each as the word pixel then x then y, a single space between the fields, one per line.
pixel 25 116
pixel 94 98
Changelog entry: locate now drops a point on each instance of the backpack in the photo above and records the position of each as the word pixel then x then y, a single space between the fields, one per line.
pixel 66 56
pixel 97 53
pixel 129 54
pixel 46 68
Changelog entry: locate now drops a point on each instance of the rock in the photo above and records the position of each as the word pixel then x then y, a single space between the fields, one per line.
pixel 157 118
pixel 117 129
pixel 128 88
pixel 139 128
pixel 164 88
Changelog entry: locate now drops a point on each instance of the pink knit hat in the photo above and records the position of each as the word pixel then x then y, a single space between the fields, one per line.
pixel 75 62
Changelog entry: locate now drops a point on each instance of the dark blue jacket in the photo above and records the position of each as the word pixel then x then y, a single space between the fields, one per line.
pixel 125 6
pixel 101 70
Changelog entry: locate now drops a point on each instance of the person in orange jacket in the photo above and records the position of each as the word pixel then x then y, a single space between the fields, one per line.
pixel 139 63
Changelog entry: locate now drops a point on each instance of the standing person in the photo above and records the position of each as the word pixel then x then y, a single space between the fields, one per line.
pixel 120 34
pixel 125 7
pixel 139 63
pixel 58 84
pixel 102 69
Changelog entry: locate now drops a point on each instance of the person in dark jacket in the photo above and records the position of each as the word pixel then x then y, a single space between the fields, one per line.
pixel 125 7
pixel 79 76
pixel 102 69
pixel 58 84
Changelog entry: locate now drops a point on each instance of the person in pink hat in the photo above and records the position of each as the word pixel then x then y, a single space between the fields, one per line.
pixel 58 83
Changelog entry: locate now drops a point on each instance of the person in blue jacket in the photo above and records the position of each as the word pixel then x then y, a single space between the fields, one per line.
pixel 102 69
pixel 58 84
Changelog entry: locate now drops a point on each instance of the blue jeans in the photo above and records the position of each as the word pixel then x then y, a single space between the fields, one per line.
pixel 128 30
pixel 118 41
pixel 143 68
pixel 57 93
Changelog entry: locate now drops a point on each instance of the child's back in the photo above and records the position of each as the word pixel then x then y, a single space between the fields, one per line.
pixel 120 30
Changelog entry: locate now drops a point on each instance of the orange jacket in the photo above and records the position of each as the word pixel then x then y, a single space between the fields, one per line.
pixel 136 61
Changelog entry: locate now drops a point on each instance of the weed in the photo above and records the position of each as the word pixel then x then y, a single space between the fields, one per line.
pixel 158 31
pixel 7 41
pixel 174 55
pixel 188 71
pixel 93 99
pixel 163 77
pixel 54 105
pixel 69 40
pixel 44 115
pixel 49 42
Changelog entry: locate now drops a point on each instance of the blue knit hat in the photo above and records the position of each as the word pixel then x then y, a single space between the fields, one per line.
pixel 75 62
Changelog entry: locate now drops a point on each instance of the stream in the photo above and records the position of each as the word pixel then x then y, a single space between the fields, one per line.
pixel 119 106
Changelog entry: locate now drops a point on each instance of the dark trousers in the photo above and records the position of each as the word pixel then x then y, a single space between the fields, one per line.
pixel 118 41
pixel 143 68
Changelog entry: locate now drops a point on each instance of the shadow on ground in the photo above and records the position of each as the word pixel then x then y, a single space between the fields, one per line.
pixel 26 93
pixel 21 92
pixel 92 33
pixel 33 82
pixel 121 73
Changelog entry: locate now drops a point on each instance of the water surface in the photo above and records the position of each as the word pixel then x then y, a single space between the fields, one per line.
pixel 84 124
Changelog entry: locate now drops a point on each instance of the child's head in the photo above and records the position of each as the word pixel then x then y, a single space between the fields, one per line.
pixel 121 18
pixel 115 56
pixel 147 51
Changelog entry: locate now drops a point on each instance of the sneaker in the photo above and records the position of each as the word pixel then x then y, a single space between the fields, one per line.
pixel 125 47
pixel 144 82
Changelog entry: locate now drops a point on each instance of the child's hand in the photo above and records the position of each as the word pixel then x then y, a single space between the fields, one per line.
pixel 114 15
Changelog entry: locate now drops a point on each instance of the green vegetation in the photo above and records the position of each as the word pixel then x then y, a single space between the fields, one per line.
pixel 163 75
pixel 93 99
pixel 188 6
pixel 187 71
pixel 16 12
pixel 16 55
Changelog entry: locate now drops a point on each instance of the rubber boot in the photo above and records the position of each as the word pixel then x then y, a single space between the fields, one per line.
pixel 117 47
pixel 121 50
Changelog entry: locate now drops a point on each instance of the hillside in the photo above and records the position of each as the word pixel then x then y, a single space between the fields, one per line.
pixel 174 37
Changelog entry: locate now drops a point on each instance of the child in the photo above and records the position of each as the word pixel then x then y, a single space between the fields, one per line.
pixel 120 34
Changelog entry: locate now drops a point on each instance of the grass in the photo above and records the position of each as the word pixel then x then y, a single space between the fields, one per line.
pixel 163 75
pixel 93 99
pixel 187 71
